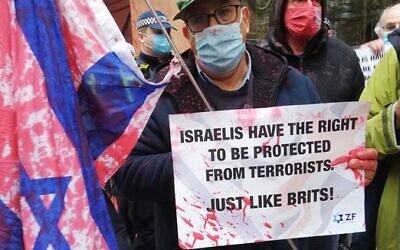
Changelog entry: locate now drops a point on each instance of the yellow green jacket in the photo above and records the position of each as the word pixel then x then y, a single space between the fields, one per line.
pixel 382 91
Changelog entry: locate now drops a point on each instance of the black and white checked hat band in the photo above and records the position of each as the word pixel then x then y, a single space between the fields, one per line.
pixel 150 20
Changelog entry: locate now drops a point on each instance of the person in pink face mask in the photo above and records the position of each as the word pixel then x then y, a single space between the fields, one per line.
pixel 302 21
pixel 300 36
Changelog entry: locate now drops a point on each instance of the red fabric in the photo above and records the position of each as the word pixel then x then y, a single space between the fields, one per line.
pixel 303 21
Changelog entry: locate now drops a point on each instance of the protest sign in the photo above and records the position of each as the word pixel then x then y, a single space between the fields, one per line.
pixel 251 175
pixel 368 60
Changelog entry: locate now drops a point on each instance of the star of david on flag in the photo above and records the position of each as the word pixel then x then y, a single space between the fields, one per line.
pixel 72 105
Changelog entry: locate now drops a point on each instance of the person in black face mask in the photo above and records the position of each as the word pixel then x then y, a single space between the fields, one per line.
pixel 155 50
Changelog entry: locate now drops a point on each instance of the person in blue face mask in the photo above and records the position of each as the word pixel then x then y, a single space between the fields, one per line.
pixel 155 49
pixel 388 22
pixel 155 52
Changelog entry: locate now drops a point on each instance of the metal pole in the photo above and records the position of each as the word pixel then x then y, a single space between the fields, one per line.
pixel 179 57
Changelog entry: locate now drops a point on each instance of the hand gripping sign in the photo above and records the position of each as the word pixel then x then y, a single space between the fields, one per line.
pixel 251 175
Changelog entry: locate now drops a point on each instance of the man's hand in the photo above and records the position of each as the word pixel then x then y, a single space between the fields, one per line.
pixel 366 160
pixel 377 46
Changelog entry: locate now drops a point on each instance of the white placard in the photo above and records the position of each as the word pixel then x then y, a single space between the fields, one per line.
pixel 368 60
pixel 245 176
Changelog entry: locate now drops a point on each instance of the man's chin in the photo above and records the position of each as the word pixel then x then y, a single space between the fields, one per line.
pixel 218 75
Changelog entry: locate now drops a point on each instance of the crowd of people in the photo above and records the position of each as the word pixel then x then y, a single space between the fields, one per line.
pixel 299 62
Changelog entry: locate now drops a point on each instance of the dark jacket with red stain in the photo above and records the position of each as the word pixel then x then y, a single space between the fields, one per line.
pixel 148 174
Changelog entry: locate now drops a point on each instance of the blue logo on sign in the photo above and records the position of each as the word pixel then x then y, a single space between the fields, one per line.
pixel 340 218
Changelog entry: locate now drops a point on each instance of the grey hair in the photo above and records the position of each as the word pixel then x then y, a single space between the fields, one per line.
pixel 379 28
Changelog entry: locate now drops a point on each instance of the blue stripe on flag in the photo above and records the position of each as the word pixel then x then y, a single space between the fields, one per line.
pixel 10 229
pixel 112 85
pixel 40 23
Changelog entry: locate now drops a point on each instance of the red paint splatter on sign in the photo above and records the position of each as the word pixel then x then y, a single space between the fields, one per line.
pixel 267 225
pixel 196 206
pixel 276 114
pixel 247 203
pixel 346 159
pixel 187 221
pixel 213 238
pixel 179 208
pixel 183 245
pixel 232 235
pixel 210 216
pixel 211 224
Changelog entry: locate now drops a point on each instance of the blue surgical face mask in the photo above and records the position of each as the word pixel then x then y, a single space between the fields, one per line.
pixel 385 36
pixel 220 47
pixel 160 45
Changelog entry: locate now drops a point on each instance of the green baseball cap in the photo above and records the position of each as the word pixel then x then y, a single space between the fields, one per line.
pixel 182 5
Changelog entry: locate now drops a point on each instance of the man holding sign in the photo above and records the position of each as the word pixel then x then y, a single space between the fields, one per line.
pixel 233 75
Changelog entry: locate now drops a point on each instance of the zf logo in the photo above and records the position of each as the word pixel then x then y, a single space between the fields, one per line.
pixel 344 218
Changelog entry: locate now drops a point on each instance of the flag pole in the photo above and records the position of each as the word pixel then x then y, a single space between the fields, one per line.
pixel 179 57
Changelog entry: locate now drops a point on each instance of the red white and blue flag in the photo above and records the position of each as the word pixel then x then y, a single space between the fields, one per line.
pixel 72 105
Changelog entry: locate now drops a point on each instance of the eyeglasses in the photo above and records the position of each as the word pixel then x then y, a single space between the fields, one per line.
pixel 224 15
pixel 391 26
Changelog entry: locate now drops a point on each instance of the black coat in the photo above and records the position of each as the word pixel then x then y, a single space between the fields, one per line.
pixel 331 64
